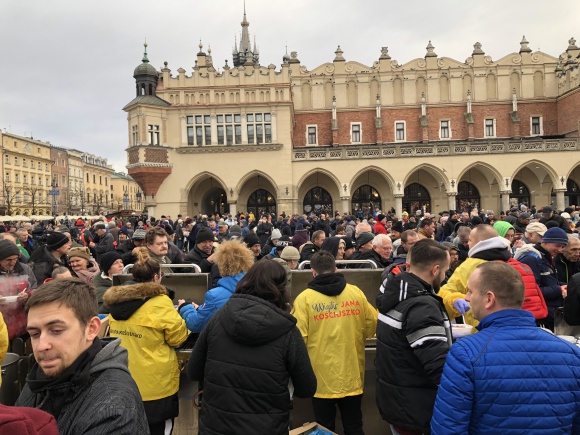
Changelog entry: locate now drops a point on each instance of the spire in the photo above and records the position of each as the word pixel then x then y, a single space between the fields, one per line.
pixel 145 60
pixel 245 41
pixel 235 50
pixel 245 54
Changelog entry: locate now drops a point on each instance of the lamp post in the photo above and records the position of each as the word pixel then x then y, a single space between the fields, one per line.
pixel 139 196
pixel 125 201
pixel 54 192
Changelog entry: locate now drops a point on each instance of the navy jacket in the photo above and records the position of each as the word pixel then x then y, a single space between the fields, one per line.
pixel 510 378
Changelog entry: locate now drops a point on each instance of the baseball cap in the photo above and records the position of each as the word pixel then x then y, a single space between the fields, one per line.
pixel 536 227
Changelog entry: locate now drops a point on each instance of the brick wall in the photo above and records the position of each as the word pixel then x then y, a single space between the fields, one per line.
pixel 569 114
pixel 155 155
pixel 149 178
pixel 133 155
pixel 549 112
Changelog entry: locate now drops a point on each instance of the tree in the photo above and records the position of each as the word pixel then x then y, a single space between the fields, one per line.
pixel 9 193
pixel 35 193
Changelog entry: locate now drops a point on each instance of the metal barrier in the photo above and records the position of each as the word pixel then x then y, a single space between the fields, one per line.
pixel 371 263
pixel 197 269
pixel 561 327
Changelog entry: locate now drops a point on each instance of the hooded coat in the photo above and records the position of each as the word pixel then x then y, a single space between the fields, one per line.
pixel 492 249
pixel 196 319
pixel 143 317
pixel 246 355
pixel 102 398
pixel 335 319
pixel 88 275
pixel 413 338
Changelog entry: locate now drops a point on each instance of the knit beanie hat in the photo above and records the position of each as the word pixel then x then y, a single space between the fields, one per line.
pixel 139 234
pixel 203 235
pixel 100 226
pixel 555 235
pixel 236 230
pixel 276 234
pixel 251 239
pixel 290 253
pixel 80 252
pixel 107 260
pixel 56 240
pixel 125 231
pixel 363 239
pixel 348 243
pixel 8 249
pixel 503 227
pixel 397 226
pixel 299 227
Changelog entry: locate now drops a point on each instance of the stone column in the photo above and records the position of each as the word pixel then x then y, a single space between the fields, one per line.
pixel 345 204
pixel 560 201
pixel 244 127
pixel 399 206
pixel 451 201
pixel 273 126
pixel 183 126
pixel 233 206
pixel 505 200
pixel 213 119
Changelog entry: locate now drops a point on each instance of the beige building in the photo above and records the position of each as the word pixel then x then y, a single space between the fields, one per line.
pixel 97 176
pixel 77 199
pixel 26 180
pixel 125 193
pixel 433 133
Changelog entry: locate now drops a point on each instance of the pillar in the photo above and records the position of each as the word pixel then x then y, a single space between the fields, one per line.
pixel 505 200
pixel 451 201
pixel 183 126
pixel 345 204
pixel 560 201
pixel 233 206
pixel 213 126
pixel 399 205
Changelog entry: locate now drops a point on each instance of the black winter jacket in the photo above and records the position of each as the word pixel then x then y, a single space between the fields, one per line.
pixel 413 338
pixel 572 301
pixel 246 355
pixel 196 256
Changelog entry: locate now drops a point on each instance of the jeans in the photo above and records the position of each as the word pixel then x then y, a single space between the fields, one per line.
pixel 350 413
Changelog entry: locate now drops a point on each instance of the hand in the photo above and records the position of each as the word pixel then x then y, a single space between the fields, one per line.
pixel 461 305
pixel 210 258
pixel 564 289
pixel 134 251
pixel 92 245
pixel 2 300
pixel 22 297
pixel 195 305
pixel 518 244
pixel 179 303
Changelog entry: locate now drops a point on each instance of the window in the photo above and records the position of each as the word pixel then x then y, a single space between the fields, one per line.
pixel 38 150
pixel 444 130
pixel 94 179
pixel 24 163
pixel 32 164
pixel 490 127
pixel 311 135
pixel 153 131
pixel 7 159
pixel 400 130
pixel 7 177
pixel 134 134
pixel 87 178
pixel 25 179
pixel 536 128
pixel 39 166
pixel 47 181
pixel 17 177
pixel 100 179
pixel 15 144
pixel 259 128
pixel 40 181
pixel 63 178
pixel 199 130
pixel 17 197
pixel 355 133
pixel 16 160
pixel 46 167
pixel 106 181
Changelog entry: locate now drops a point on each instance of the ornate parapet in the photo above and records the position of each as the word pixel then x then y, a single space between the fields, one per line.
pixel 228 149
pixel 373 151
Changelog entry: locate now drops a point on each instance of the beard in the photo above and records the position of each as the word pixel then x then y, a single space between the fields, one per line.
pixel 437 283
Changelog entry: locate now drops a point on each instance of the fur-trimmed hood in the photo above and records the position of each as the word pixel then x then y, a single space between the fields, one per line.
pixel 124 300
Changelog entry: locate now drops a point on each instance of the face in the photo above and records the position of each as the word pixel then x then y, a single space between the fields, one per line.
pixel 57 336
pixel 453 258
pixel 411 240
pixel 340 252
pixel 474 296
pixel 367 246
pixel 206 246
pixel 430 229
pixel 348 253
pixel 159 246
pixel 122 237
pixel 23 236
pixel 9 262
pixel 212 225
pixel 100 232
pixel 384 249
pixel 510 235
pixel 116 268
pixel 318 242
pixel 78 263
pixel 534 238
pixel 63 250
pixel 256 249
pixel 223 229
pixel 572 250
pixel 553 248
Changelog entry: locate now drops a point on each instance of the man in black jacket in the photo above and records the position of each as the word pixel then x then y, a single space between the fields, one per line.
pixel 128 249
pixel 83 381
pixel 413 338
pixel 202 253
pixel 549 216
pixel 568 262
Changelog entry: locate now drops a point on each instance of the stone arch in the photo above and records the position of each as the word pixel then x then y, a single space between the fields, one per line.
pixel 421 88
pixel 467 85
pixel 202 192
pixel 247 177
pixel 491 85
pixel 381 172
pixel 398 90
pixel 443 88
pixel 351 92
pixel 515 83
pixel 374 90
pixel 539 169
pixel 328 93
pixel 319 177
pixel 202 176
pixel 250 183
pixel 492 174
pixel 436 173
pixel 538 84
pixel 306 95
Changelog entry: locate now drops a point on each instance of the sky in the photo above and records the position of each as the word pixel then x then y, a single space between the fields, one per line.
pixel 67 65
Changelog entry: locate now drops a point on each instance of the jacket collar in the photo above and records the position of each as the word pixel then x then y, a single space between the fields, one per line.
pixel 508 317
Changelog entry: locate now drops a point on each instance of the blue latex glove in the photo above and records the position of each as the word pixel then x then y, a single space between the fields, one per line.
pixel 461 306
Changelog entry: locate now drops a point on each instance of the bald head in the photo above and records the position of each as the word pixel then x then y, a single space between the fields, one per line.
pixel 480 233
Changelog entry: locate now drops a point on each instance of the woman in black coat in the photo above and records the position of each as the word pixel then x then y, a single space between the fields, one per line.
pixel 246 356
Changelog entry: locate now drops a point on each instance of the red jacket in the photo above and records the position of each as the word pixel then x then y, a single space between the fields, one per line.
pixel 26 421
pixel 380 228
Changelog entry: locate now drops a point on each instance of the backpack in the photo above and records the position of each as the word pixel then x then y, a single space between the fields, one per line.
pixel 533 299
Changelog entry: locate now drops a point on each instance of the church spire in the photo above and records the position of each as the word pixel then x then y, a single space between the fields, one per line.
pixel 245 55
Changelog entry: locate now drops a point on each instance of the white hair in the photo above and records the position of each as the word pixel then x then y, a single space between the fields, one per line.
pixel 379 238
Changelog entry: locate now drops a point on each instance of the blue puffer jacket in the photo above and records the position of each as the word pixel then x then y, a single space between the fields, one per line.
pixel 214 300
pixel 509 378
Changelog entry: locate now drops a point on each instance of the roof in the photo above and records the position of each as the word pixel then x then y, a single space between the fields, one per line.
pixel 150 100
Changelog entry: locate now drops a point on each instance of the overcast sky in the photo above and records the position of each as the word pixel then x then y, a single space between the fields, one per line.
pixel 67 65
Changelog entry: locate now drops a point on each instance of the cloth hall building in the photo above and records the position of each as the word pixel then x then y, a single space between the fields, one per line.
pixel 433 133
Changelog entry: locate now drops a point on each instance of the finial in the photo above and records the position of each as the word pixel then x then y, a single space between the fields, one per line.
pixel 430 50
pixel 200 45
pixel 338 54
pixel 208 49
pixel 477 49
pixel 524 45
pixel 145 60
pixel 385 53
pixel 572 44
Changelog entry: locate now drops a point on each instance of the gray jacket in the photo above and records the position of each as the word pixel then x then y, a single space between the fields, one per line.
pixel 109 404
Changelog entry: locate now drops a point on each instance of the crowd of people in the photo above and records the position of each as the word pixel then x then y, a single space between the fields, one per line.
pixel 258 344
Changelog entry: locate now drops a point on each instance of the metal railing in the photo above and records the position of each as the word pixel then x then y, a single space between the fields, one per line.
pixel 369 262
pixel 197 269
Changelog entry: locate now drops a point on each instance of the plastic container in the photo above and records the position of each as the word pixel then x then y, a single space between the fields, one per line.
pixel 460 330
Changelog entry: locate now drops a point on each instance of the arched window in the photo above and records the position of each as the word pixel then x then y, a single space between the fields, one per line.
pixel 520 194
pixel 261 201
pixel 150 89
pixel 416 197
pixel 317 200
pixel 365 200
pixel 467 197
